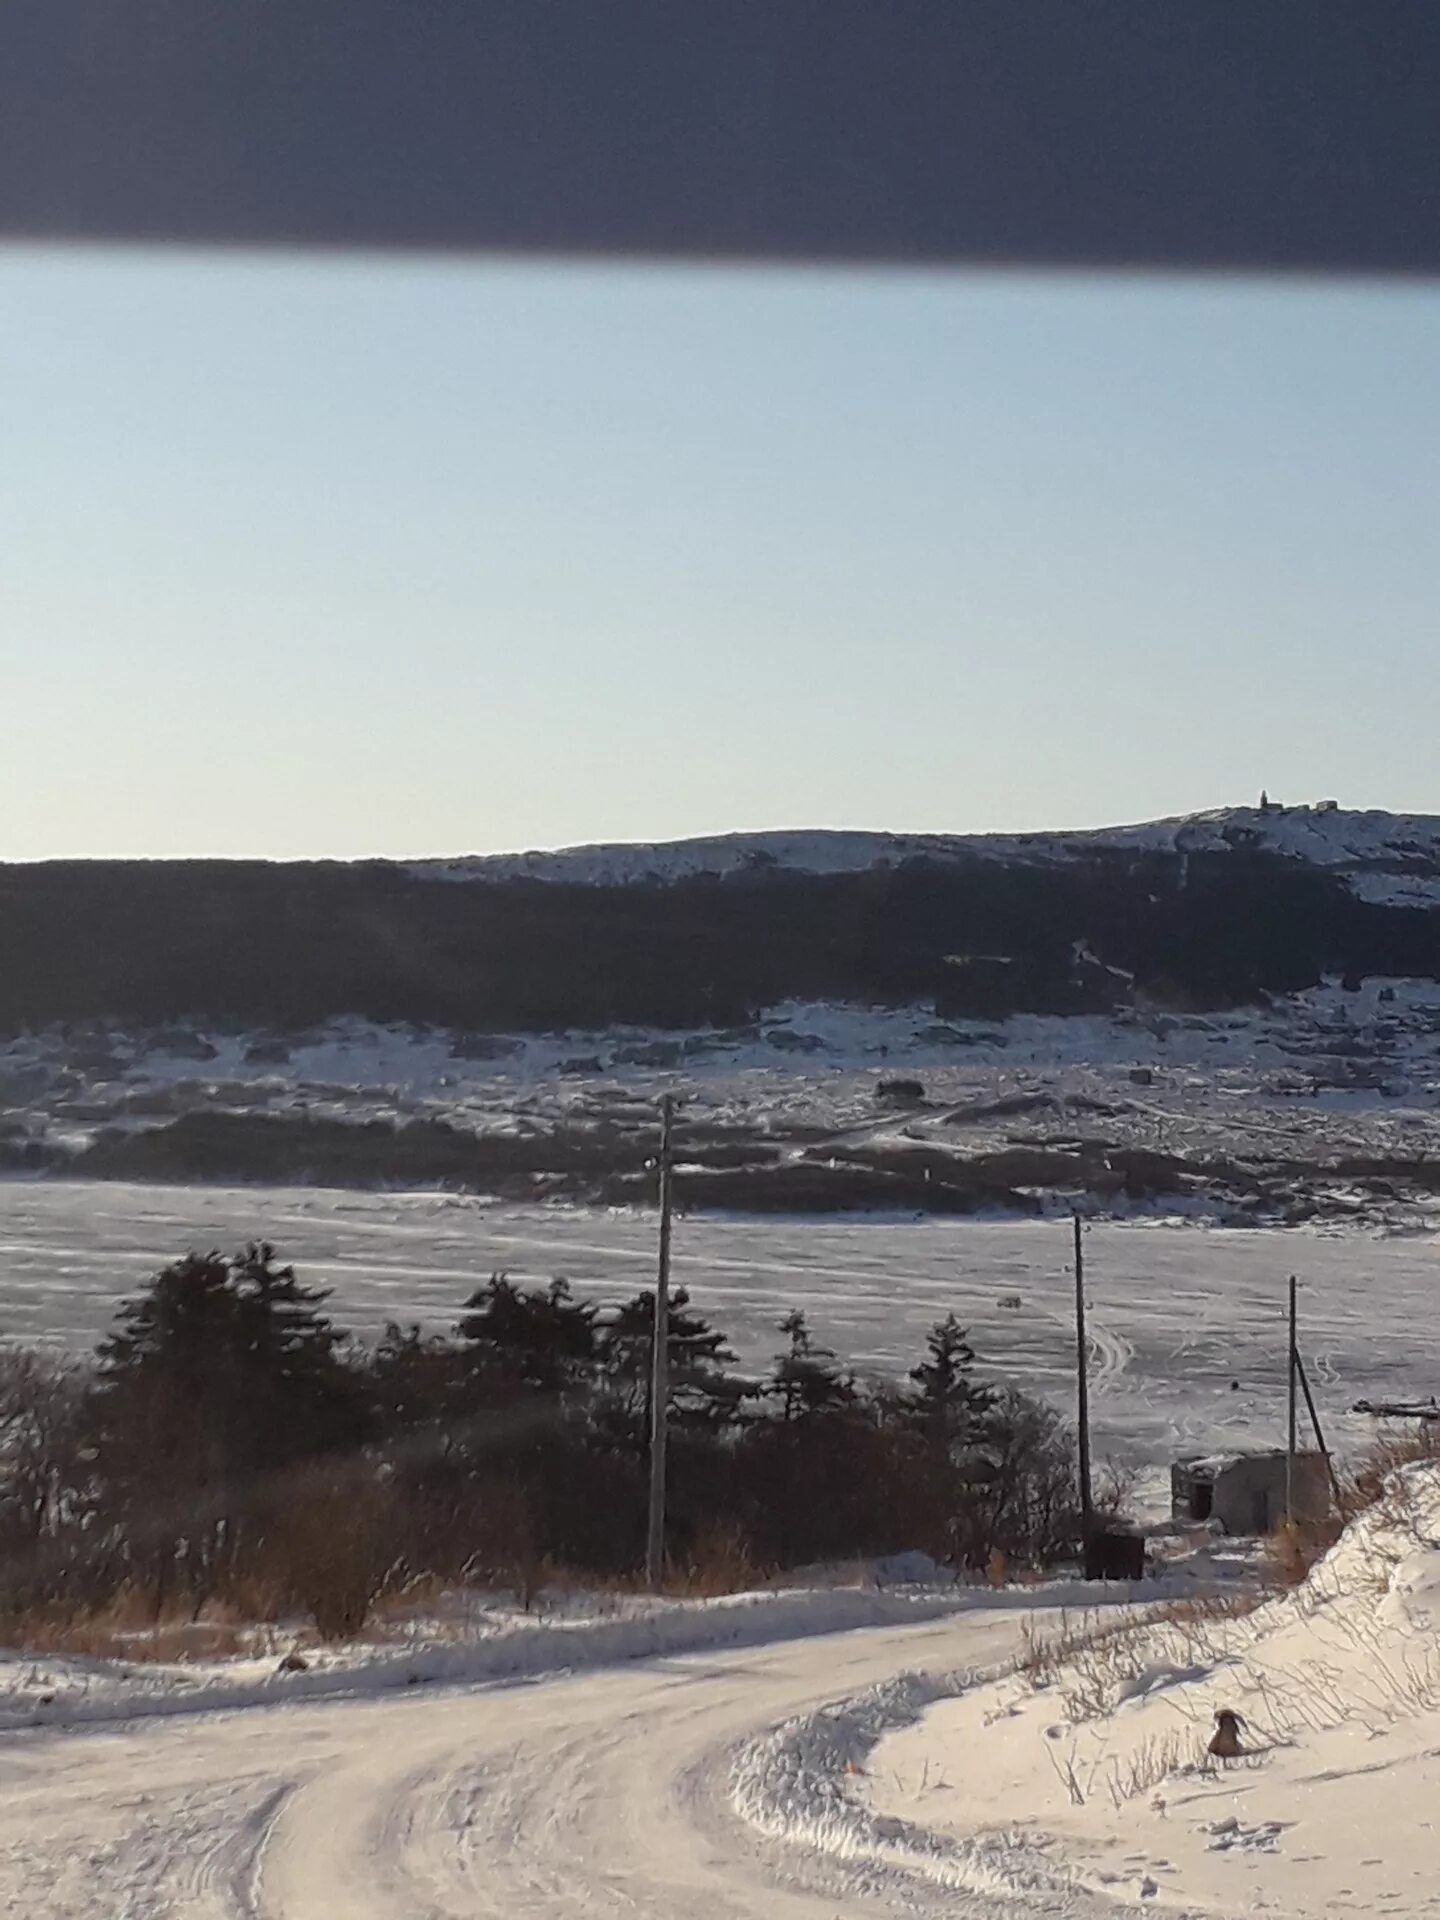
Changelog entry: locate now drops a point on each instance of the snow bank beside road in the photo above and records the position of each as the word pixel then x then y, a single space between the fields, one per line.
pixel 795 1785
pixel 43 1690
pixel 1096 1753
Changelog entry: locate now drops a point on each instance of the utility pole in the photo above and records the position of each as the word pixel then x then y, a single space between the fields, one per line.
pixel 660 1364
pixel 1336 1493
pixel 1082 1390
pixel 1292 1358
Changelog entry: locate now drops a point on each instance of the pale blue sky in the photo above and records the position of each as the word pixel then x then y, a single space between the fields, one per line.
pixel 344 557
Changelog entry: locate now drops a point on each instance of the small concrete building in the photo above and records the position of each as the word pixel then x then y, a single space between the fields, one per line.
pixel 1245 1492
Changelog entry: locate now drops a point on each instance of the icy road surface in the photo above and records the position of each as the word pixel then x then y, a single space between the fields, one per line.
pixel 607 1794
pixel 1177 1312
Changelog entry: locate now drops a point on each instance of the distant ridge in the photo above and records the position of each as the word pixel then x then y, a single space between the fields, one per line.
pixel 1211 910
pixel 1387 859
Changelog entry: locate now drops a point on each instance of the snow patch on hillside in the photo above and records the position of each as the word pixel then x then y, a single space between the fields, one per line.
pixel 1387 859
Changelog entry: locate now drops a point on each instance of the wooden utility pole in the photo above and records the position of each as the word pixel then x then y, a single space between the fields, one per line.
pixel 1082 1389
pixel 1335 1491
pixel 660 1364
pixel 1291 1360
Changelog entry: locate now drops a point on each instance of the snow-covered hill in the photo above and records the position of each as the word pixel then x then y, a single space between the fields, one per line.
pixel 1386 858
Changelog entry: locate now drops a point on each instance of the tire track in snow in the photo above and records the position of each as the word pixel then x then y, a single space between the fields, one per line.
pixel 1110 1355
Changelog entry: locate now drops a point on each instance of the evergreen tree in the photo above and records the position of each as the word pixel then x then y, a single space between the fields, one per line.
pixel 951 1410
pixel 415 1383
pixel 221 1373
pixel 805 1379
pixel 703 1394
pixel 528 1340
pixel 304 1401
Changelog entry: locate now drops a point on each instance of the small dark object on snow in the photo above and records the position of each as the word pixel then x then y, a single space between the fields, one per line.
pixel 900 1090
pixel 1115 1556
pixel 1225 1741
pixel 1234 1386
pixel 294 1663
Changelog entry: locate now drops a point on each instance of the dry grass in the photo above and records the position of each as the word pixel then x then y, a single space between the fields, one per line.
pixel 1151 1762
pixel 125 1630
pixel 720 1562
pixel 1088 1661
pixel 1372 1481
pixel 420 1598
pixel 1296 1546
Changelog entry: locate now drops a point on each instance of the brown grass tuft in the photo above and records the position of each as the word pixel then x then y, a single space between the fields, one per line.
pixel 1295 1547
pixel 720 1562
pixel 1370 1480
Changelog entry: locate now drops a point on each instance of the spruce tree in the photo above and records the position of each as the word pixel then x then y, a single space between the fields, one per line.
pixel 805 1379
pixel 951 1410
pixel 223 1373
pixel 703 1393
pixel 529 1340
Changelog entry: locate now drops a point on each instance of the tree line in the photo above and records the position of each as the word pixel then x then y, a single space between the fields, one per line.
pixel 254 944
pixel 228 1442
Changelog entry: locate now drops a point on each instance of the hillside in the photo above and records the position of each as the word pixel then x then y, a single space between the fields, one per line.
pixel 1229 1017
pixel 1210 911
pixel 1388 859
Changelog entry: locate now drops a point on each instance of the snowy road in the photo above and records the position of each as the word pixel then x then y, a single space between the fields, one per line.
pixel 604 1794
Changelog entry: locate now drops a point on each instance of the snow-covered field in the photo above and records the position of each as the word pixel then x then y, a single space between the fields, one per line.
pixel 1324 1104
pixel 1346 1067
pixel 1178 1313
pixel 1092 1772
pixel 466 1636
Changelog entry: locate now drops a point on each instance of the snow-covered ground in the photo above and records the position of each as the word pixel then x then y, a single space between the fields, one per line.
pixel 1264 1112
pixel 976 1755
pixel 1091 1768
pixel 1178 1313
pixel 609 1793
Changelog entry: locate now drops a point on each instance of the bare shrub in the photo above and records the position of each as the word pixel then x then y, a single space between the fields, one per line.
pixel 1115 1492
pixel 331 1538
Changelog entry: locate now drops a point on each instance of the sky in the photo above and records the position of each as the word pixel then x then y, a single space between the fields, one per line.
pixel 344 557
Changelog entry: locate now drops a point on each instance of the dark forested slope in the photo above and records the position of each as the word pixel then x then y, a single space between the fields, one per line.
pixel 998 929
